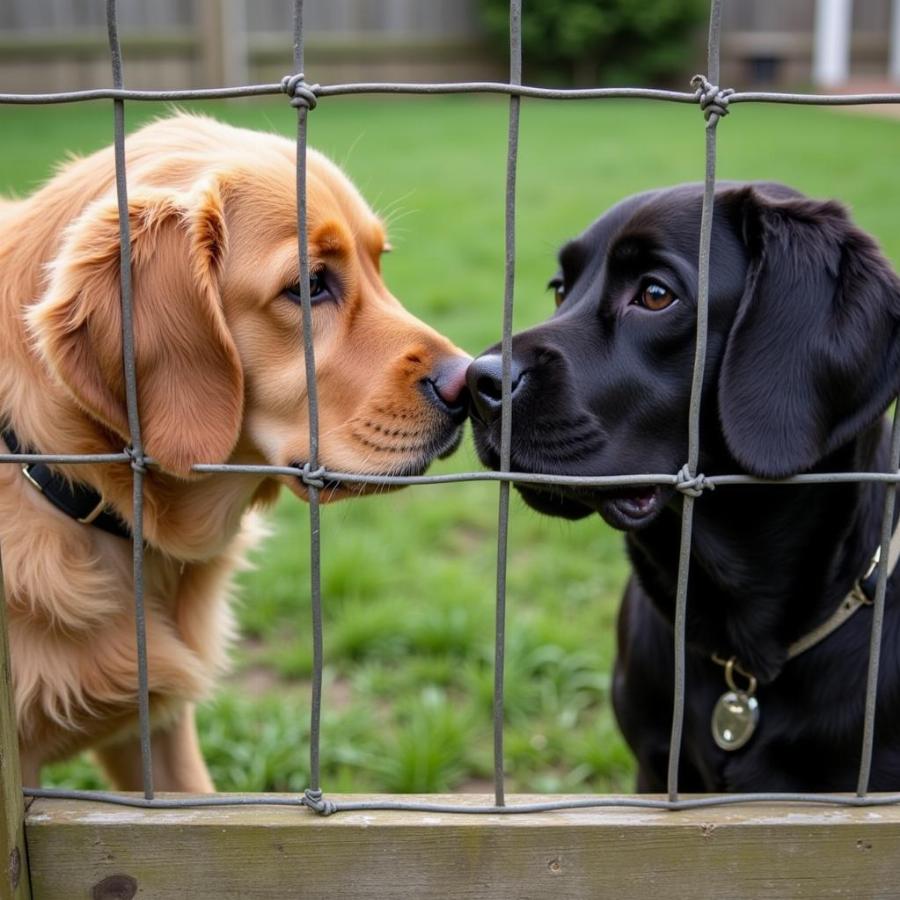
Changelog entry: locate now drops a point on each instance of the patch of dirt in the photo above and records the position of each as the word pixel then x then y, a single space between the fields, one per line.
pixel 259 680
pixel 255 681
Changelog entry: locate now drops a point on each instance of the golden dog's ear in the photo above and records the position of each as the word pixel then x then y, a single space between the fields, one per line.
pixel 189 377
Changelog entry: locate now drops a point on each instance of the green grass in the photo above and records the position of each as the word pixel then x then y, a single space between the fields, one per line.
pixel 408 578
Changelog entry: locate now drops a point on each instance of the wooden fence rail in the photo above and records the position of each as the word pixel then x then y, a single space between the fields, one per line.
pixel 93 850
pixel 61 849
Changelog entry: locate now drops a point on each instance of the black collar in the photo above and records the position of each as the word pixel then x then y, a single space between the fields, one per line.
pixel 80 501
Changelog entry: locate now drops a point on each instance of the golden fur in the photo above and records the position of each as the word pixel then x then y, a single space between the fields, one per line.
pixel 221 378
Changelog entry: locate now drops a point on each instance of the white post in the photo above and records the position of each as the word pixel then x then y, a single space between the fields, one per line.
pixel 894 69
pixel 831 53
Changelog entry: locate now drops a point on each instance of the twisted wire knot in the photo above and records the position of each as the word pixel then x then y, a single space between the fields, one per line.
pixel 713 99
pixel 137 460
pixel 313 477
pixel 301 93
pixel 317 803
pixel 694 485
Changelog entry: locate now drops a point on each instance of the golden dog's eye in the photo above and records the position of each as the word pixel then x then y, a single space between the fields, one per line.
pixel 655 297
pixel 318 289
pixel 559 290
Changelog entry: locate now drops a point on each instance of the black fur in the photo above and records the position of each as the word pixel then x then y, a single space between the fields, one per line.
pixel 803 359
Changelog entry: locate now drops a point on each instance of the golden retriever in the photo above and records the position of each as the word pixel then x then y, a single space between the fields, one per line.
pixel 221 378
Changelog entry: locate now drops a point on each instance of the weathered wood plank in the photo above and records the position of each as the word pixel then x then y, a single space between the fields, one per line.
pixel 731 853
pixel 14 884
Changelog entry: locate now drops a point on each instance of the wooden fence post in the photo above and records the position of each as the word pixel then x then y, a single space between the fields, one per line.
pixel 14 880
pixel 222 30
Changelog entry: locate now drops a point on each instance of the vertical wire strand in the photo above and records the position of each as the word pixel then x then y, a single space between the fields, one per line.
pixel 887 528
pixel 687 515
pixel 131 399
pixel 313 404
pixel 515 77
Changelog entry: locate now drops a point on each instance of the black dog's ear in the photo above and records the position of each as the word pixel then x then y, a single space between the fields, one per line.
pixel 813 356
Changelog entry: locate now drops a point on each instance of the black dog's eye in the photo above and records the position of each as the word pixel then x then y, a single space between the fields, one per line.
pixel 655 297
pixel 559 289
pixel 318 289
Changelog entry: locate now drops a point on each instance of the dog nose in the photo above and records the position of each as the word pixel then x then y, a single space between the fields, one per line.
pixel 448 384
pixel 485 380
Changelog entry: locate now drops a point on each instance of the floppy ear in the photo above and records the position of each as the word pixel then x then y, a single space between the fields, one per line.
pixel 813 356
pixel 189 378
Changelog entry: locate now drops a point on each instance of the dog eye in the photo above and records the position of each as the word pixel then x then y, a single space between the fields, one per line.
pixel 318 289
pixel 559 290
pixel 655 297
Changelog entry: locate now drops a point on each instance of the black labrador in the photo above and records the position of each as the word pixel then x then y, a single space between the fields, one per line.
pixel 803 360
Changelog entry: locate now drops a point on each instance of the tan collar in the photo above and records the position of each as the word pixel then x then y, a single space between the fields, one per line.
pixel 854 601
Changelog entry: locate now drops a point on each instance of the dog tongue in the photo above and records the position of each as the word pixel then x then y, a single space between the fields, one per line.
pixel 642 501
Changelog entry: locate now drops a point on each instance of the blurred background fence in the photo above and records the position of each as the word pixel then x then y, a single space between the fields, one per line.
pixel 56 45
pixel 49 45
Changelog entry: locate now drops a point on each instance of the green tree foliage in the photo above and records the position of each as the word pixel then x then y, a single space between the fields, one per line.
pixel 592 42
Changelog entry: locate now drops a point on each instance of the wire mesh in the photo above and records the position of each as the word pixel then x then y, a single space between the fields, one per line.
pixel 302 104
pixel 515 77
pixel 690 470
pixel 714 103
pixel 135 451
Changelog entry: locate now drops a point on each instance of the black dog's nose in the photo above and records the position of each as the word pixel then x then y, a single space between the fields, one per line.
pixel 485 380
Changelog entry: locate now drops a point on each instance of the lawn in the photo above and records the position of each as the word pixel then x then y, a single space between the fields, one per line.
pixel 408 578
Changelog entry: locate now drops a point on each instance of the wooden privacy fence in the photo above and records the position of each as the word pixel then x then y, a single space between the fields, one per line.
pixel 48 45
pixel 59 845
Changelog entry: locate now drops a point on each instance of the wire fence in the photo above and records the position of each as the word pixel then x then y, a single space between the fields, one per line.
pixel 714 103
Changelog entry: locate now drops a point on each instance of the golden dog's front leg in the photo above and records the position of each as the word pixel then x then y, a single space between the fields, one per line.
pixel 177 761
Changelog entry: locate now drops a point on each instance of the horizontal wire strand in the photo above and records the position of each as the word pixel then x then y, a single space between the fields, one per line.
pixel 356 478
pixel 596 802
pixel 463 87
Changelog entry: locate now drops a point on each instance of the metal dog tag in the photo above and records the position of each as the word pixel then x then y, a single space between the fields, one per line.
pixel 734 719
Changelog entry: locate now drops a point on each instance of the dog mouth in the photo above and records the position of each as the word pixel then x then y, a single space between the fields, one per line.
pixel 625 510
pixel 331 488
pixel 553 501
pixel 561 501
pixel 630 510
pixel 450 443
